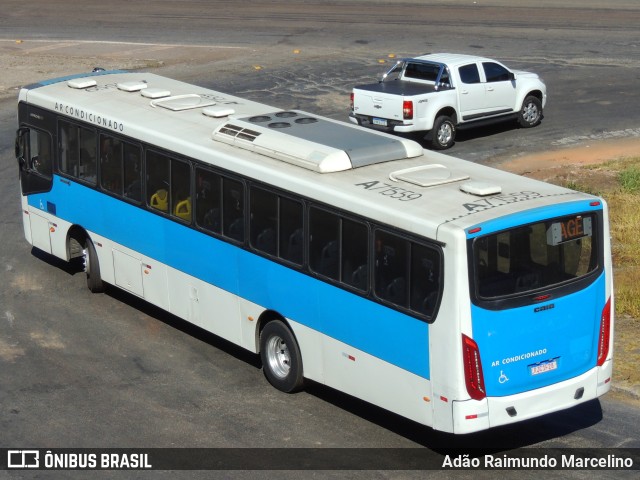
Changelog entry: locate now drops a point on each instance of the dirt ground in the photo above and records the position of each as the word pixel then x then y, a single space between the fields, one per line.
pixel 563 164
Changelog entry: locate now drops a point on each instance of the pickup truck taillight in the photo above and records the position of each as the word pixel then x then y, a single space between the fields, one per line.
pixel 352 101
pixel 407 110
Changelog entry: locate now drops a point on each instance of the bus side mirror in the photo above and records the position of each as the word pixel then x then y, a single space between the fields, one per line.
pixel 22 135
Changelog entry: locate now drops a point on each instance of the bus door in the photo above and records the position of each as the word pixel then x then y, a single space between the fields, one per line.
pixel 538 301
pixel 34 153
pixel 35 159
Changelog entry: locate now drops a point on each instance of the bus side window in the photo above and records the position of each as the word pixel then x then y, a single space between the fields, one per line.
pixel 407 273
pixel 120 170
pixel 111 164
pixel 88 155
pixel 391 268
pixel 208 211
pixel 40 158
pixel 354 254
pixel 180 190
pixel 79 152
pixel 157 168
pixel 291 231
pixel 69 149
pixel 324 235
pixel 264 220
pixel 132 172
pixel 425 279
pixel 233 209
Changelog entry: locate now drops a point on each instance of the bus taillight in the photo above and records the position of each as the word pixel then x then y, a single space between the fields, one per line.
pixel 605 333
pixel 473 369
pixel 407 109
pixel 351 101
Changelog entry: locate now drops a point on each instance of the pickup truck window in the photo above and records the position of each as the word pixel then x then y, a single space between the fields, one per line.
pixel 469 73
pixel 445 79
pixel 422 71
pixel 495 72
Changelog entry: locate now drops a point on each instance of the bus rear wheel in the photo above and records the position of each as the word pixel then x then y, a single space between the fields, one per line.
pixel 281 357
pixel 92 268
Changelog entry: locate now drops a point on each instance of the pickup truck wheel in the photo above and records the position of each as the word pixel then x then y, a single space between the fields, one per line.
pixel 443 133
pixel 530 113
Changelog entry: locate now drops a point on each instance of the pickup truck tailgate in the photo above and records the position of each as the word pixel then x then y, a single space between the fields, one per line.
pixel 384 100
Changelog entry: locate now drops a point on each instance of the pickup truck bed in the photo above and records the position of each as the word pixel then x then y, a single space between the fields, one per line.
pixel 398 87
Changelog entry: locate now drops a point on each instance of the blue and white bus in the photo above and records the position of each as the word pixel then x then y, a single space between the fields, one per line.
pixel 457 295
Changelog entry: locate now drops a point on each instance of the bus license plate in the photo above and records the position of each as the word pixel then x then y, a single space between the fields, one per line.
pixel 380 121
pixel 543 367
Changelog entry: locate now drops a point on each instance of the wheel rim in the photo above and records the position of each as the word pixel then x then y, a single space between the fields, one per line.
pixel 87 262
pixel 445 133
pixel 530 112
pixel 278 356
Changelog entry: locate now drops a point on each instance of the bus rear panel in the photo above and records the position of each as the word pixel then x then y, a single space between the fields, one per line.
pixel 540 316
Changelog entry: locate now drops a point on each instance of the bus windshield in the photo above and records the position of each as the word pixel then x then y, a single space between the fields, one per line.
pixel 535 256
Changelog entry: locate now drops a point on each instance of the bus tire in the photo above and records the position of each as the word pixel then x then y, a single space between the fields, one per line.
pixel 281 357
pixel 92 268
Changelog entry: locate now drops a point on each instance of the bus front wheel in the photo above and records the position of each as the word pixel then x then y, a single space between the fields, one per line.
pixel 92 268
pixel 281 358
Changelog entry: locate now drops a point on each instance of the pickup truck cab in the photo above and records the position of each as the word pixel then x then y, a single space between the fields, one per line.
pixel 438 93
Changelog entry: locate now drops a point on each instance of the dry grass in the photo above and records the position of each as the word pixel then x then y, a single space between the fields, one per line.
pixel 623 197
pixel 625 244
pixel 618 182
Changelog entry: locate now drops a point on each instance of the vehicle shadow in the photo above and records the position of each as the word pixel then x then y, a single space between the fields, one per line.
pixel 466 134
pixel 184 326
pixel 489 130
pixel 76 267
pixel 70 268
pixel 500 439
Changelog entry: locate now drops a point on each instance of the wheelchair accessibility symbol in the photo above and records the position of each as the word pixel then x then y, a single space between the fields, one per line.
pixel 503 378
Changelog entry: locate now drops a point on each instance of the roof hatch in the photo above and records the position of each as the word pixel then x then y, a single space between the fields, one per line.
pixel 481 189
pixel 81 83
pixel 428 175
pixel 134 86
pixel 155 93
pixel 179 103
pixel 218 112
pixel 313 142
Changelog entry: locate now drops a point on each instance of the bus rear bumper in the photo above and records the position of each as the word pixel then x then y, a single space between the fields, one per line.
pixel 472 416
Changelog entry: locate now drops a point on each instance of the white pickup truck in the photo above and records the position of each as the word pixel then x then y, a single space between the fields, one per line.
pixel 438 93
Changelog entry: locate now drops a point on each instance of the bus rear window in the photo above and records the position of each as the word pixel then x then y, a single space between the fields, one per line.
pixel 535 256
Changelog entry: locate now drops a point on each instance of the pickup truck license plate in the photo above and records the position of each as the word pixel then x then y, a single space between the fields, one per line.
pixel 544 367
pixel 379 121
